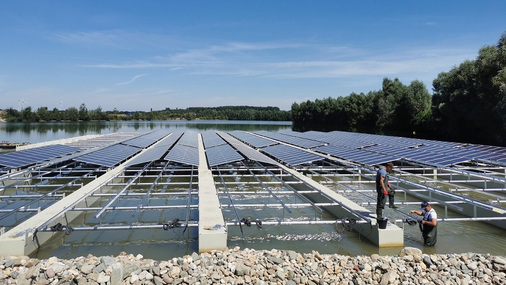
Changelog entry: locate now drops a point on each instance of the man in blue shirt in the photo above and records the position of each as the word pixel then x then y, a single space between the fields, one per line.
pixel 428 225
pixel 383 189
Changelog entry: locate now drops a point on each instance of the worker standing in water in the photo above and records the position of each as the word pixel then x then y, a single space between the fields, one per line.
pixel 428 224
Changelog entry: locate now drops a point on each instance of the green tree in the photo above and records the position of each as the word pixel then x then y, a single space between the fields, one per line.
pixel 83 113
pixel 71 114
pixel 468 102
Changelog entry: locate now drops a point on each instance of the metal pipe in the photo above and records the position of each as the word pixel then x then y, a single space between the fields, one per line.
pixel 150 188
pixel 268 189
pixel 293 189
pixel 40 198
pixel 230 198
pixel 122 190
pixel 189 200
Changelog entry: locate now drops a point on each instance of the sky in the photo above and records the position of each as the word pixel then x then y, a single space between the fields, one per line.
pixel 151 55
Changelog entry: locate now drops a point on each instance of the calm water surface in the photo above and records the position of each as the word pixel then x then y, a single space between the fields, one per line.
pixel 40 132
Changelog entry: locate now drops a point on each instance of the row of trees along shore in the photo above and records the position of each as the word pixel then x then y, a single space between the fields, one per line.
pixel 468 105
pixel 72 114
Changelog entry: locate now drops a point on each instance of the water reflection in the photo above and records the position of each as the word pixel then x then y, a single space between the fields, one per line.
pixel 39 132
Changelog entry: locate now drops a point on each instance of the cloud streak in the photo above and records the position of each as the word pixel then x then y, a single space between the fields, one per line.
pixel 297 61
pixel 132 80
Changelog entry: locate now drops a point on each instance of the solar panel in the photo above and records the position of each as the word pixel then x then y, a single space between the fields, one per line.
pixel 221 155
pixel 255 141
pixel 301 142
pixel 146 140
pixel 211 139
pixel 356 155
pixel 189 138
pixel 156 152
pixel 26 157
pixel 183 154
pixel 291 155
pixel 109 156
pixel 247 151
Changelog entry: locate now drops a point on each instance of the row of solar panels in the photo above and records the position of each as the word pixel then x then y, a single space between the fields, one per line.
pixel 108 156
pixel 376 149
pixel 183 148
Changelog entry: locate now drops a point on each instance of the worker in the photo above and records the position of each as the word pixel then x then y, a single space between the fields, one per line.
pixel 428 224
pixel 384 189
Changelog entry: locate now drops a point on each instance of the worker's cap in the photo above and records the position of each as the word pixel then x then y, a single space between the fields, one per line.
pixel 390 164
pixel 424 204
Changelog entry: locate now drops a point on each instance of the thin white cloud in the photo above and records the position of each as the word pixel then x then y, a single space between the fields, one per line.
pixel 292 61
pixel 166 91
pixel 132 80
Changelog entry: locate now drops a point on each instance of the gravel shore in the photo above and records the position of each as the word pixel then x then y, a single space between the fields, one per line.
pixel 248 266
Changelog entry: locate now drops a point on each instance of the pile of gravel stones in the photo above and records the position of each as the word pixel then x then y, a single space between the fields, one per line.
pixel 248 266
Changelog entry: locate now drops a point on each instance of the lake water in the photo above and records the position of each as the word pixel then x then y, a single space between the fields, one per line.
pixel 159 244
pixel 40 132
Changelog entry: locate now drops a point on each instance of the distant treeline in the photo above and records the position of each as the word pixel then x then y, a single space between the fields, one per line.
pixel 72 114
pixel 468 105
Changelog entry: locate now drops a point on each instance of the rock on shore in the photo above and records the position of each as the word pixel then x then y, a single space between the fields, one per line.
pixel 248 266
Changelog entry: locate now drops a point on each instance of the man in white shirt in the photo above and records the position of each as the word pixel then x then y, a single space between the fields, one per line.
pixel 428 224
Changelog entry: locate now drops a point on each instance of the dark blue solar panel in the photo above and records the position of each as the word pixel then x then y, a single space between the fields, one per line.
pixel 425 151
pixel 211 139
pixel 356 155
pixel 109 156
pixel 146 140
pixel 291 155
pixel 26 157
pixel 297 141
pixel 252 140
pixel 183 154
pixel 156 152
pixel 221 155
pixel 189 138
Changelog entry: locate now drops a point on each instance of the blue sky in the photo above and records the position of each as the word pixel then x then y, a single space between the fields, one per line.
pixel 142 55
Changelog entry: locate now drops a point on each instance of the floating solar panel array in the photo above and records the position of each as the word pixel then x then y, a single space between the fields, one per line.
pixel 246 150
pixel 109 156
pixel 186 150
pixel 252 140
pixel 156 152
pixel 291 155
pixel 31 156
pixel 418 150
pixel 301 142
pixel 146 140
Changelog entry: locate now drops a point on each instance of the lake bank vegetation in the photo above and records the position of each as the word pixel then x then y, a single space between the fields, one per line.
pixel 72 114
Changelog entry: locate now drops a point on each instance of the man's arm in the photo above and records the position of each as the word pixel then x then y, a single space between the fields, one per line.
pixel 382 183
pixel 433 222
